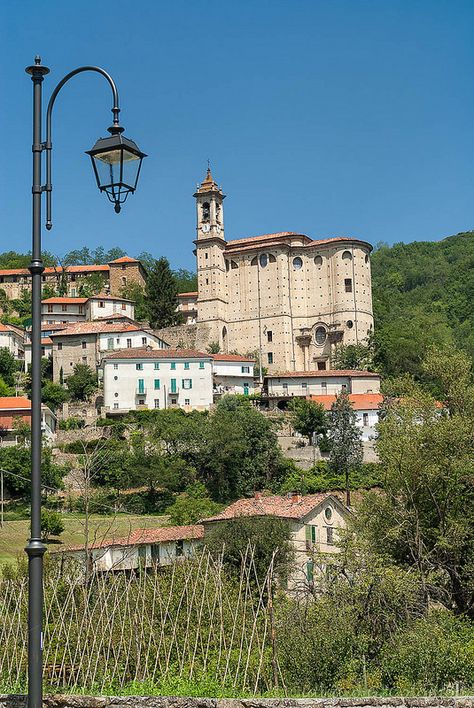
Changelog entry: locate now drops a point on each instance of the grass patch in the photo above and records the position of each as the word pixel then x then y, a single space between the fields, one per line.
pixel 14 534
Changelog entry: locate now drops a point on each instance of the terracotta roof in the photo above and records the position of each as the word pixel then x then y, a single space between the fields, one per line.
pixel 64 301
pixel 58 269
pixel 10 402
pixel 139 537
pixel 109 297
pixel 188 294
pixel 360 401
pixel 265 237
pixel 141 353
pixel 96 327
pixel 46 341
pixel 231 357
pixel 287 507
pixel 125 259
pixel 10 328
pixel 325 374
pixel 275 239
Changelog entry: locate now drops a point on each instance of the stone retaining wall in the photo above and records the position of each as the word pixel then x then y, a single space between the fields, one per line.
pixel 172 702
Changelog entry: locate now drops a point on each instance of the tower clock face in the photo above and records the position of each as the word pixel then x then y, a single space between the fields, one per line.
pixel 205 228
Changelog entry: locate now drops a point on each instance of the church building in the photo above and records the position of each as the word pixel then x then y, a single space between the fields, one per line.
pixel 282 296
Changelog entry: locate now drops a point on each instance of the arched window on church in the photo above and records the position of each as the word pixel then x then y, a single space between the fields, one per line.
pixel 347 256
pixel 218 212
pixel 233 264
pixel 206 211
pixel 225 343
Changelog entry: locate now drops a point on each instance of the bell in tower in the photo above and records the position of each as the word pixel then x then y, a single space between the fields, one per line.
pixel 210 212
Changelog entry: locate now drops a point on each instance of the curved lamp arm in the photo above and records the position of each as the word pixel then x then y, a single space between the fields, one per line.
pixel 48 188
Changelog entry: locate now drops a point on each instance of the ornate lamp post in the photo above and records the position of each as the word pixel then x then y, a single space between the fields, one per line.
pixel 122 160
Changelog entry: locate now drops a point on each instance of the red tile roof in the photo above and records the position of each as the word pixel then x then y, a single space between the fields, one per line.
pixel 109 297
pixel 14 402
pixel 64 301
pixel 231 357
pixel 274 239
pixel 125 259
pixel 96 327
pixel 162 534
pixel 287 507
pixel 265 237
pixel 360 401
pixel 10 328
pixel 328 373
pixel 141 353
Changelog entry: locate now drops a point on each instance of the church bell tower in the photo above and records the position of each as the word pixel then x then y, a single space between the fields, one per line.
pixel 211 268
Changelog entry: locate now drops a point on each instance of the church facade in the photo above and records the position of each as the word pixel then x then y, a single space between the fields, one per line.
pixel 283 297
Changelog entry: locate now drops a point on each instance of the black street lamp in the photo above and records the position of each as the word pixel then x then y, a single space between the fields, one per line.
pixel 116 152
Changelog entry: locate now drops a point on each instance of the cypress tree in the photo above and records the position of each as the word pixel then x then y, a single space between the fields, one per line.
pixel 161 295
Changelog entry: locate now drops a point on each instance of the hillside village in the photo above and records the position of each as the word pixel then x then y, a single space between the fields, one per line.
pixel 251 419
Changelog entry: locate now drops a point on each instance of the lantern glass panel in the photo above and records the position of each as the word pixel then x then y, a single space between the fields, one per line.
pixel 108 167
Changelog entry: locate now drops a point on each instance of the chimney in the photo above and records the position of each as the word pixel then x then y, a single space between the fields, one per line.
pixel 294 497
pixel 257 496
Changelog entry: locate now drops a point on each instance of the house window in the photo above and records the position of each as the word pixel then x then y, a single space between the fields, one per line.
pixel 348 285
pixel 110 343
pixel 201 365
pixel 173 366
pixel 324 387
pixel 101 303
pixel 173 386
pixel 310 571
pixel 129 343
pixel 285 387
pixel 84 345
pixel 50 308
pixel 157 384
pixel 157 365
pixel 187 402
pixel 124 281
pixel 365 417
pixel 115 366
pixel 179 548
pixel 187 383
pixel 314 535
pixel 124 306
pixel 141 385
pixel 139 367
pixel 116 405
pixel 60 346
pixel 84 360
pixel 328 513
pixel 64 308
pixel 270 357
pixel 245 369
pixel 186 364
pixel 269 336
pixel 144 341
pixel 157 402
pixel 321 366
pixel 329 535
pixel 344 387
pixel 304 385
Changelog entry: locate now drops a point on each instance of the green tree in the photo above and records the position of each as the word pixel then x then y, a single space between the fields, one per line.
pixel 8 366
pixel 161 295
pixel 345 438
pixel 134 291
pixel 54 395
pixel 186 281
pixel 192 505
pixel 424 520
pixel 213 348
pixel 82 383
pixel 266 539
pixel 358 357
pixel 308 418
pixel 4 389
pixel 52 524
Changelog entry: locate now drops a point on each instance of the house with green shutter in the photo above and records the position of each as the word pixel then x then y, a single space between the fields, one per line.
pixel 315 522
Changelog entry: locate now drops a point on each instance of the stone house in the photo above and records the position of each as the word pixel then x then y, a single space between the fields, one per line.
pixel 142 548
pixel 315 521
pixel 64 310
pixel 87 342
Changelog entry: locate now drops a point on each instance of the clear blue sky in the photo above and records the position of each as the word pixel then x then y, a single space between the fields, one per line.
pixel 329 117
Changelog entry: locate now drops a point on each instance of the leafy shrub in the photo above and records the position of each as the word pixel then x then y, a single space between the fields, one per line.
pixel 72 423
pixel 51 524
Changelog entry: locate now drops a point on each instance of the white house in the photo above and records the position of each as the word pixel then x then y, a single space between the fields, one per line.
pixel 233 374
pixel 158 378
pixel 46 349
pixel 63 310
pixel 13 339
pixel 143 548
pixel 187 305
pixel 18 408
pixel 279 388
pixel 101 306
pixel 315 521
pixel 366 406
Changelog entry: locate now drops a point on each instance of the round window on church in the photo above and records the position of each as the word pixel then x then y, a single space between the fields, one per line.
pixel 349 324
pixel 263 260
pixel 347 256
pixel 297 263
pixel 320 336
pixel 318 261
